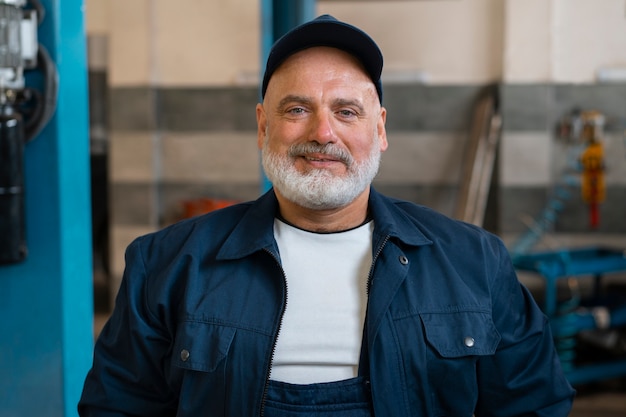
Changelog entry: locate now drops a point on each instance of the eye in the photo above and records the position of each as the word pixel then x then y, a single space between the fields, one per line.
pixel 296 111
pixel 347 113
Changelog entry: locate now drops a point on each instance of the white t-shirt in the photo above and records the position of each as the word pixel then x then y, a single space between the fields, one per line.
pixel 321 332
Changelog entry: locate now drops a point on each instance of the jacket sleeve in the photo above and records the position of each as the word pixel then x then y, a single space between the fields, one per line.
pixel 128 376
pixel 524 376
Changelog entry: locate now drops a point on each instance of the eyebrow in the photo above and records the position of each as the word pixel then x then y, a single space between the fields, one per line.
pixel 292 98
pixel 341 102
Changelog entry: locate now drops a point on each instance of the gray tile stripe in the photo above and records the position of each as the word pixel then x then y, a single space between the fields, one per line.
pixel 537 107
pixel 132 108
pixel 410 107
pixel 525 107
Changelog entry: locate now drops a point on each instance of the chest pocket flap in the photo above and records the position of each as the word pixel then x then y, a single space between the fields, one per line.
pixel 201 346
pixel 461 333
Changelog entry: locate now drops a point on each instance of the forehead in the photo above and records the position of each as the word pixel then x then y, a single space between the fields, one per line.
pixel 318 64
pixel 325 54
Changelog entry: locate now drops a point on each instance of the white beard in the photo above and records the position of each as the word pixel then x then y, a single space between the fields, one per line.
pixel 319 189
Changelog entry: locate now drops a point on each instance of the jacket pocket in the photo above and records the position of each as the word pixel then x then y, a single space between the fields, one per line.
pixel 438 354
pixel 457 340
pixel 201 346
pixel 199 364
pixel 460 333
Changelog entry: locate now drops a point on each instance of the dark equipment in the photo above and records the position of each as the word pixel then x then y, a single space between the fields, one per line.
pixel 24 111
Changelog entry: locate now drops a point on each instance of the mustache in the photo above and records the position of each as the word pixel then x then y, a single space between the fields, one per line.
pixel 329 149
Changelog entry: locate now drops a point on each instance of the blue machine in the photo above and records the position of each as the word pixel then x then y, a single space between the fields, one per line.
pixel 594 325
pixel 46 293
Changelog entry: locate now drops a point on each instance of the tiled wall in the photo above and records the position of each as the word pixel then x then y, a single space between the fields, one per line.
pixel 172 145
pixel 169 145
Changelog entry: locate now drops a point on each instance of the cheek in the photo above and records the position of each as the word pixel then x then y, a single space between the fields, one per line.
pixel 275 143
pixel 282 136
pixel 363 148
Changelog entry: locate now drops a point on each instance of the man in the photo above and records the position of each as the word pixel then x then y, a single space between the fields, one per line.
pixel 323 297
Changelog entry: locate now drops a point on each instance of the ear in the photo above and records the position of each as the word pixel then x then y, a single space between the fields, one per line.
pixel 382 131
pixel 261 124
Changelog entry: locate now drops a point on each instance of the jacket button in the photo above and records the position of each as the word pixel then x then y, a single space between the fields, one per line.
pixel 403 260
pixel 184 355
pixel 469 341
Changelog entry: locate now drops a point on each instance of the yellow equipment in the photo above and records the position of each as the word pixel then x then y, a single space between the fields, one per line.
pixel 592 160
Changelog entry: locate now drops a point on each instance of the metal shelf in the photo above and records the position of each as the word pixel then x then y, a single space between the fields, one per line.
pixel 569 318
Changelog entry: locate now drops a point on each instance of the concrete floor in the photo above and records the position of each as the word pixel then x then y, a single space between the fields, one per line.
pixel 606 399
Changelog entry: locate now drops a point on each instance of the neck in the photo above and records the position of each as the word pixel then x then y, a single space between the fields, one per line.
pixel 325 221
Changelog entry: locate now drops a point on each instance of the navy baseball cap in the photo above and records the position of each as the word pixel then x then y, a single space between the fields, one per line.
pixel 327 31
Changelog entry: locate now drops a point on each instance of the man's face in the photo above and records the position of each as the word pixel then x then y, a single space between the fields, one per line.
pixel 321 129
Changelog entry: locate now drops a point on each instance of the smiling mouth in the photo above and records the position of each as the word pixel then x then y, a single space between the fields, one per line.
pixel 315 153
pixel 320 159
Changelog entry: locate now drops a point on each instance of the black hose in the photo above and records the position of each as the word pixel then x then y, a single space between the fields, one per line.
pixel 46 105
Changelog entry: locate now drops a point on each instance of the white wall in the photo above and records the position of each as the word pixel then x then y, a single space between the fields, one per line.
pixel 178 43
pixel 213 43
pixel 449 42
pixel 589 36
pixel 528 41
pixel 97 16
pixel 563 41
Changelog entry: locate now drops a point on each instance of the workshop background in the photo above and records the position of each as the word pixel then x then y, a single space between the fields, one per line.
pixel 181 80
pixel 507 113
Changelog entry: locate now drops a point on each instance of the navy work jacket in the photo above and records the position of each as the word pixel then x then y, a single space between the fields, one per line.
pixel 449 329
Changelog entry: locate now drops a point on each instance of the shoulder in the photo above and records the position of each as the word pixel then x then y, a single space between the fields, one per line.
pixel 204 232
pixel 437 222
pixel 443 230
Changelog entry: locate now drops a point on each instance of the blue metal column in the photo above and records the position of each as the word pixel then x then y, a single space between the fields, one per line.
pixel 277 17
pixel 291 13
pixel 46 302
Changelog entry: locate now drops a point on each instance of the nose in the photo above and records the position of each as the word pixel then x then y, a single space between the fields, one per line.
pixel 322 130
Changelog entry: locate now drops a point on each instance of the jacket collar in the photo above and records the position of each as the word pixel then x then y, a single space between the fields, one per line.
pixel 390 220
pixel 255 230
